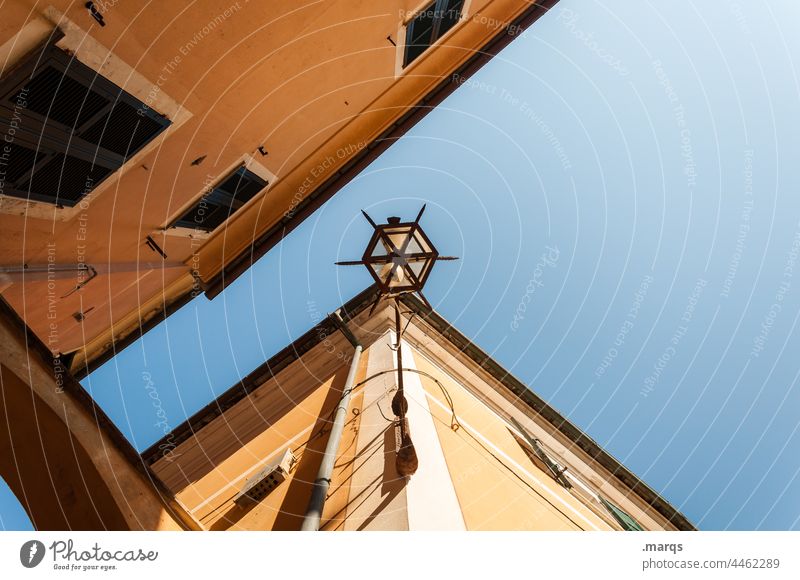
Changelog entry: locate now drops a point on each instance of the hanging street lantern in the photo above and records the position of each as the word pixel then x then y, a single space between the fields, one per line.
pixel 399 257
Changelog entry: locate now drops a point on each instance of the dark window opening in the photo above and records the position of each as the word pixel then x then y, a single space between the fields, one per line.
pixel 429 25
pixel 217 205
pixel 66 128
pixel 624 520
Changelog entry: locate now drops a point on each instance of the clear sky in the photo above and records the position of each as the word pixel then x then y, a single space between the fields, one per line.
pixel 620 185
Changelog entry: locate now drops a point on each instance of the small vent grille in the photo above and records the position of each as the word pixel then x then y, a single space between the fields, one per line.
pixel 261 484
pixel 261 489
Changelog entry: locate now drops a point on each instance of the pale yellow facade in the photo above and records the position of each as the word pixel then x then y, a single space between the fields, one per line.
pixel 475 471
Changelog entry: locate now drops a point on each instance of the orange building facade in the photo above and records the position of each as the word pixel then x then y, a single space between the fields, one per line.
pixel 148 155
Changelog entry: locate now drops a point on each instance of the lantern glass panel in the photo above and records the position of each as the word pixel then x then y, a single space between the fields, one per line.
pixel 380 250
pixel 398 239
pixel 414 246
pixel 419 242
pixel 384 272
pixel 378 269
pixel 425 270
pixel 417 267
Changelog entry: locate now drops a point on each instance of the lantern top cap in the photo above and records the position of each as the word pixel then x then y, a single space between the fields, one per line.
pixel 393 220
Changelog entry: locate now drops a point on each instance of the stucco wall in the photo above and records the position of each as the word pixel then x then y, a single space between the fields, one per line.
pixel 62 465
pixel 480 474
pixel 498 486
pixel 312 85
pixel 293 411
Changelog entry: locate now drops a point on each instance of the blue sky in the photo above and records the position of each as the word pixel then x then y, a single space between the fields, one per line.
pixel 619 184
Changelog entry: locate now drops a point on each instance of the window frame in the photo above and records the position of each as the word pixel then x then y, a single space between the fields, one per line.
pixel 182 224
pixel 45 134
pixel 617 513
pixel 438 7
pixel 535 451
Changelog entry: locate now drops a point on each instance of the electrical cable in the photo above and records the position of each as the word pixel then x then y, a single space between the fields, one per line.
pixel 455 425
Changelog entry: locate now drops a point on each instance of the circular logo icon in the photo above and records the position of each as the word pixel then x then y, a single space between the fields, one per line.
pixel 31 553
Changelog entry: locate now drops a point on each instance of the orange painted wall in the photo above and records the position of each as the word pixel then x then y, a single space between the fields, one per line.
pixel 47 469
pixel 302 425
pixel 64 467
pixel 313 84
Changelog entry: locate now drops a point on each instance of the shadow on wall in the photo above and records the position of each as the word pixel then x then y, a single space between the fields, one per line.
pixel 294 497
pixel 290 500
pixel 271 402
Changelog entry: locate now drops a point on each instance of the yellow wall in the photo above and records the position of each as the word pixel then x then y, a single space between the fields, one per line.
pixel 284 507
pixel 210 469
pixel 497 485
pixel 336 506
pixel 494 497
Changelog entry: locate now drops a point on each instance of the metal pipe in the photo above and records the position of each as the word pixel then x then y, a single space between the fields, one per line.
pixel 323 482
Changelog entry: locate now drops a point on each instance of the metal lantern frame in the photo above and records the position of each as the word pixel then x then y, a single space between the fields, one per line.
pixel 399 257
pixel 405 247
